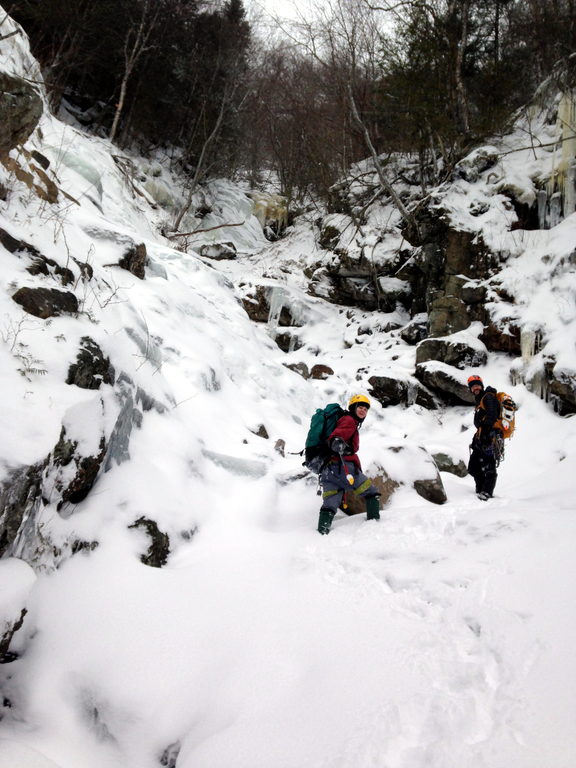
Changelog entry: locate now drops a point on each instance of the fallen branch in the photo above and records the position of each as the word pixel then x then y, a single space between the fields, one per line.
pixel 208 229
pixel 10 34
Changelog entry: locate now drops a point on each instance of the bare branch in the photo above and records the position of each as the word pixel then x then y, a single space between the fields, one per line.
pixel 10 34
pixel 133 50
pixel 200 164
pixel 174 235
pixel 404 212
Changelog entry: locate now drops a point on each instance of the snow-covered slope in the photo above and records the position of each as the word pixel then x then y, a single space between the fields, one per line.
pixel 441 636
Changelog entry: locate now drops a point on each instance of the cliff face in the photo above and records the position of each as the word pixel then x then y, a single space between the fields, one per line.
pixel 488 255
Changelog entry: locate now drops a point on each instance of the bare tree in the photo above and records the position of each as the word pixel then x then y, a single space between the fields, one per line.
pixel 201 169
pixel 386 185
pixel 136 45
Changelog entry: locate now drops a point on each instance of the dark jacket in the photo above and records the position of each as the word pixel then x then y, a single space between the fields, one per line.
pixel 486 414
pixel 347 430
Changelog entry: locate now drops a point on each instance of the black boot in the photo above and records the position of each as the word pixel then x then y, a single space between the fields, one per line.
pixel 373 508
pixel 325 521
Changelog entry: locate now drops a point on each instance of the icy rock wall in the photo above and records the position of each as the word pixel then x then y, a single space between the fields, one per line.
pixel 558 201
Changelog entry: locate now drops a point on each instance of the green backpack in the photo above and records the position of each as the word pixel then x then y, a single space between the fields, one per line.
pixel 322 424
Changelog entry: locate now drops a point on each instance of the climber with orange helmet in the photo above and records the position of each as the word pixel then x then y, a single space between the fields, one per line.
pixel 343 471
pixel 482 464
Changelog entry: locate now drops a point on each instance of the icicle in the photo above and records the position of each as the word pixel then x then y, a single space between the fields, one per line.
pixel 277 303
pixel 570 189
pixel 555 214
pixel 292 344
pixel 527 344
pixel 299 313
pixel 542 197
pixel 539 385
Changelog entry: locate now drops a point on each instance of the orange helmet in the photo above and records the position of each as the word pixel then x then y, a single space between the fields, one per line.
pixel 475 380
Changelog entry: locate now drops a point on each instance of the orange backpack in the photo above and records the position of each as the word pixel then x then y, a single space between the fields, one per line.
pixel 506 422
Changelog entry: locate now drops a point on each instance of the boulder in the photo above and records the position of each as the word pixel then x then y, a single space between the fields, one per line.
pixel 502 337
pixel 41 265
pixel 391 291
pixel 416 330
pixel 402 465
pixel 476 163
pixel 385 484
pixel 65 476
pixel 218 251
pixel 551 382
pixel 257 306
pixel 20 111
pixel 355 291
pixel 456 353
pixel 13 245
pixel 157 554
pixel 287 341
pixel 431 489
pixel 73 471
pixel 134 261
pixel 447 463
pixel 410 464
pixel 46 302
pixel 272 304
pixel 91 368
pixel 563 390
pixel 332 228
pixel 300 368
pixel 389 390
pixel 446 381
pixel 320 371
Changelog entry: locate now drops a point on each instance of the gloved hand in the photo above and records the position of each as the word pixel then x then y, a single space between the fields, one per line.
pixel 316 464
pixel 339 446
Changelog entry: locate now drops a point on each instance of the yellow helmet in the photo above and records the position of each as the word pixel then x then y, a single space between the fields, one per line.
pixel 359 399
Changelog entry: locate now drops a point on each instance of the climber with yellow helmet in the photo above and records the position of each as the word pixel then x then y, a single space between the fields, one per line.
pixel 343 471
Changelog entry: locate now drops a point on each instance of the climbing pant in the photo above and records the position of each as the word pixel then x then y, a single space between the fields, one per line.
pixel 334 481
pixel 482 467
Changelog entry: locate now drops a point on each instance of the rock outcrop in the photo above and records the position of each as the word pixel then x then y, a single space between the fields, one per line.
pixel 46 302
pixel 20 110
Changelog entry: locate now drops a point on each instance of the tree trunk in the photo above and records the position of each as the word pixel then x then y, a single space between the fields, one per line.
pixel 200 164
pixel 404 212
pixel 461 94
pixel 131 56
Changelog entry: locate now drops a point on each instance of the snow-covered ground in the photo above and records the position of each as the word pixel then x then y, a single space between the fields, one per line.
pixel 438 637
